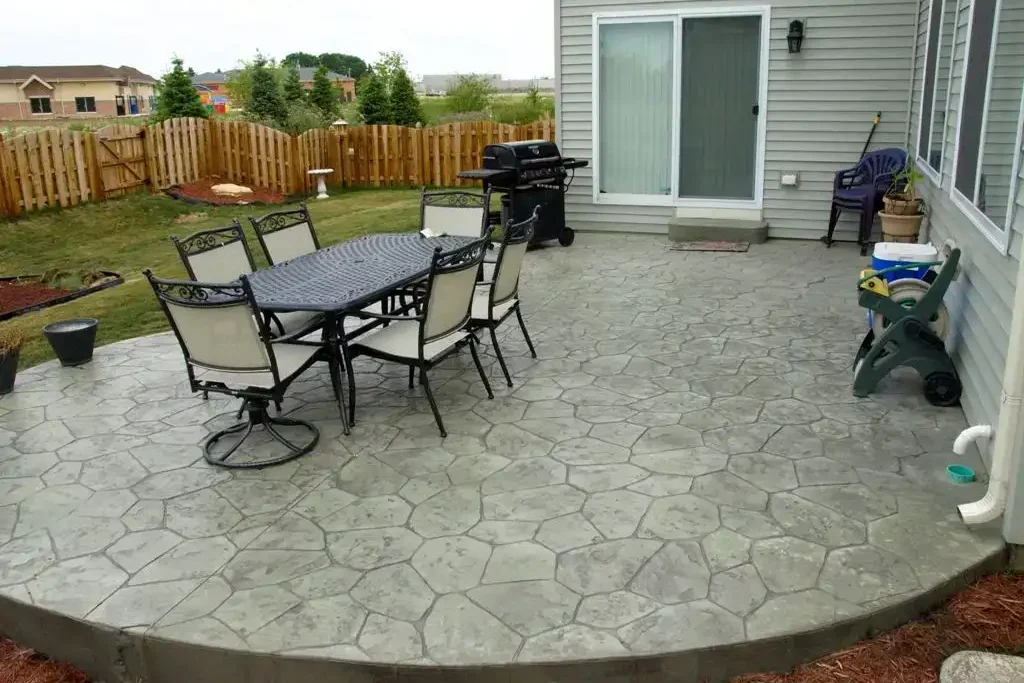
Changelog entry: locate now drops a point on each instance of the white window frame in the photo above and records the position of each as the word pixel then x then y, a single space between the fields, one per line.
pixel 998 236
pixel 40 113
pixel 934 174
pixel 676 16
pixel 86 98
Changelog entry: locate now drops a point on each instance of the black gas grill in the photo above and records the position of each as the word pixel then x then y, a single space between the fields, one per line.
pixel 530 174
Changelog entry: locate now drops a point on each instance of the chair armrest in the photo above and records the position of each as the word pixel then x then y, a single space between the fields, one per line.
pixel 885 178
pixel 844 177
pixel 388 316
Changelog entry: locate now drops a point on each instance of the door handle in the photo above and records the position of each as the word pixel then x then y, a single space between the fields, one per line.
pixel 756 109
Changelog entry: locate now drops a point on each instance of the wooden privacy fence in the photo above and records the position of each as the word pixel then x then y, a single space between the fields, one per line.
pixel 54 167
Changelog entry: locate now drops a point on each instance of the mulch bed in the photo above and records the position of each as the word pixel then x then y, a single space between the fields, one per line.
pixel 20 665
pixel 17 294
pixel 987 616
pixel 201 192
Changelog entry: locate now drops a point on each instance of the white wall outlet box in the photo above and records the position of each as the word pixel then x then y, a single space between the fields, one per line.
pixel 790 180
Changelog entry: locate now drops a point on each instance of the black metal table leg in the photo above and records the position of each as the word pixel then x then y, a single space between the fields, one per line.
pixel 334 353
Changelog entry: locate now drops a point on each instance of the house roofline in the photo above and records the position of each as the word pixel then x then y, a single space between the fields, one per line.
pixel 35 78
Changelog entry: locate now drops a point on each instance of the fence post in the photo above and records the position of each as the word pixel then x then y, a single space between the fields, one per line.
pixel 98 191
pixel 150 154
pixel 8 197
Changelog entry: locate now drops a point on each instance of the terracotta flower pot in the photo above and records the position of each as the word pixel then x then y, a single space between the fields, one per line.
pixel 900 228
pixel 900 206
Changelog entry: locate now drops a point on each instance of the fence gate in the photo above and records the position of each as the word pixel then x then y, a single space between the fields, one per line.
pixel 121 153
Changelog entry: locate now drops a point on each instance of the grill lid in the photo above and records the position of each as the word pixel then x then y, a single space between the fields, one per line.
pixel 513 155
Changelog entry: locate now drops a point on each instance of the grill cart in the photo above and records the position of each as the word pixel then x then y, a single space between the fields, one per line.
pixel 530 174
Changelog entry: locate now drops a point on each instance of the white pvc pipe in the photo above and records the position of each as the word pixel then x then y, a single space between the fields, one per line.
pixel 970 435
pixel 1009 430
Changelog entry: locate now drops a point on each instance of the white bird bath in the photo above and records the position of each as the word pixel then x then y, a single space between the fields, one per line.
pixel 321 185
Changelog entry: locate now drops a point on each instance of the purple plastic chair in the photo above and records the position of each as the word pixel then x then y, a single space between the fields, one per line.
pixel 862 188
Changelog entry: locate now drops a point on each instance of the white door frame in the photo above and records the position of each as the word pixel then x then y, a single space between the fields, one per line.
pixel 677 16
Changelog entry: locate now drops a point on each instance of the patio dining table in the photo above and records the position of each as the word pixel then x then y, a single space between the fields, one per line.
pixel 344 278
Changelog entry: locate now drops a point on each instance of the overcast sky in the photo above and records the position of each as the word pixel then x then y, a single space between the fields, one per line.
pixel 514 39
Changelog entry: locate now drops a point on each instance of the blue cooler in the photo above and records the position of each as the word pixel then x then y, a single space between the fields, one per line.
pixel 889 254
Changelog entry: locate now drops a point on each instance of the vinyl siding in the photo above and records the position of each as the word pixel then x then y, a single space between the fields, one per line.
pixel 981 302
pixel 856 60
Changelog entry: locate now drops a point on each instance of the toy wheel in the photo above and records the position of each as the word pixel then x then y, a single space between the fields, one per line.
pixel 566 237
pixel 942 389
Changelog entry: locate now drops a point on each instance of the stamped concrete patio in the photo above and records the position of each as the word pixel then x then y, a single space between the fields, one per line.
pixel 683 466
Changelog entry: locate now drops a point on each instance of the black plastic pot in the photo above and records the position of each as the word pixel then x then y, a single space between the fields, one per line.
pixel 72 340
pixel 8 370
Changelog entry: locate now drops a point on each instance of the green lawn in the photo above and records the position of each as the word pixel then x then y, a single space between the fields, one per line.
pixel 130 234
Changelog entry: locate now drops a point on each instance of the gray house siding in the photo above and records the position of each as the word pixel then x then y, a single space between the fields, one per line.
pixel 981 302
pixel 856 60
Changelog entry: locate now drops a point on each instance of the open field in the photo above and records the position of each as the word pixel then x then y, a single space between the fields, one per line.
pixel 130 234
pixel 11 128
pixel 502 107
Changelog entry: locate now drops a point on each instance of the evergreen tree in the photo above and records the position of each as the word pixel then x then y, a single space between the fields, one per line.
pixel 177 96
pixel 293 90
pixel 265 101
pixel 373 100
pixel 405 104
pixel 323 96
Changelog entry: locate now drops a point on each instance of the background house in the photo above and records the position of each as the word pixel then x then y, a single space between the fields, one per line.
pixel 30 92
pixel 212 85
pixel 694 112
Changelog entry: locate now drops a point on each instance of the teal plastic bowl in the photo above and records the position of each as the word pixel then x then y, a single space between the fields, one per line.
pixel 960 474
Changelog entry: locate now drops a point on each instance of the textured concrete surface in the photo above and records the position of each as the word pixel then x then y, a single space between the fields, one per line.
pixel 982 667
pixel 684 465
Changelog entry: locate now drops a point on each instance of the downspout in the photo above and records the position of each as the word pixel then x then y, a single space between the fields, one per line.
pixel 913 76
pixel 1009 432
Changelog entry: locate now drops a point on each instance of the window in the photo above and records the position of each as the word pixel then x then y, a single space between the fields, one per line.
pixel 935 88
pixel 85 105
pixel 152 101
pixel 988 137
pixel 635 101
pixel 679 105
pixel 40 105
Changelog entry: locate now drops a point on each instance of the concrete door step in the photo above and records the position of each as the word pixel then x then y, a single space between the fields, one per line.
pixel 708 229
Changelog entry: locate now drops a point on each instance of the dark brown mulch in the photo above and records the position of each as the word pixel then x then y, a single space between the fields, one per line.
pixel 17 294
pixel 201 192
pixel 20 665
pixel 987 616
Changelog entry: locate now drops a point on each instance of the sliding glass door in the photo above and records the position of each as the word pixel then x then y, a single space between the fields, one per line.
pixel 678 102
pixel 636 107
pixel 718 107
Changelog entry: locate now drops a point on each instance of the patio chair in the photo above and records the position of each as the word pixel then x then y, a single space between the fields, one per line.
pixel 861 189
pixel 496 300
pixel 283 235
pixel 228 350
pixel 455 212
pixel 222 255
pixel 460 213
pixel 436 331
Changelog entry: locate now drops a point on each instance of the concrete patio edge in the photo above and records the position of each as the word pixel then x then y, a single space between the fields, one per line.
pixel 121 656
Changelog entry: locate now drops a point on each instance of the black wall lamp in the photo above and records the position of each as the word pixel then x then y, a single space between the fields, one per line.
pixel 795 37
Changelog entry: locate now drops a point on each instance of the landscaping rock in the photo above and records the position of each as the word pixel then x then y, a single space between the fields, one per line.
pixel 982 667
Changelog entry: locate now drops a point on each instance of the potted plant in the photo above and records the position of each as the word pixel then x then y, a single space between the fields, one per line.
pixel 10 348
pixel 72 340
pixel 904 210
